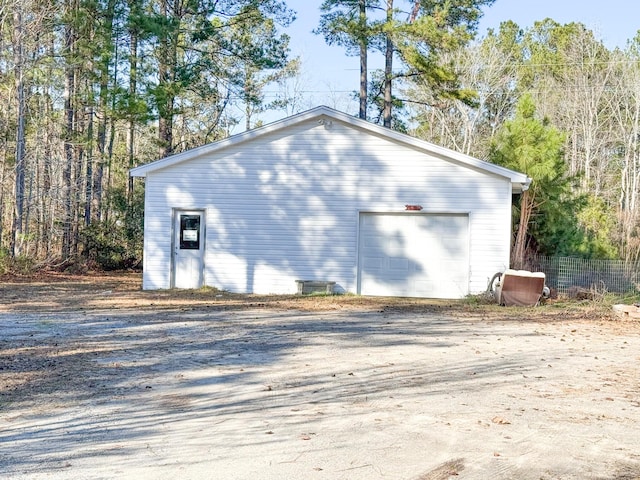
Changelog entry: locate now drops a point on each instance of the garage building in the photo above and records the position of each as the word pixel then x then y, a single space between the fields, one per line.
pixel 327 197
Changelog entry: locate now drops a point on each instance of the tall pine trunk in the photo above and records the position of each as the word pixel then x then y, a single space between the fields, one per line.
pixel 69 116
pixel 47 214
pixel 88 179
pixel 103 108
pixel 388 68
pixel 101 140
pixel 20 166
pixel 166 77
pixel 133 88
pixel 362 4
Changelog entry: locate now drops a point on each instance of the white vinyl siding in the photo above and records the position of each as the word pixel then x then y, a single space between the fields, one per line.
pixel 285 206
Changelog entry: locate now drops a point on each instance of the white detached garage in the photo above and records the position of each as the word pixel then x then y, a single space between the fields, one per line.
pixel 325 196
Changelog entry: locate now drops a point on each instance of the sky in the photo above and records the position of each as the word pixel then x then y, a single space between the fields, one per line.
pixel 329 76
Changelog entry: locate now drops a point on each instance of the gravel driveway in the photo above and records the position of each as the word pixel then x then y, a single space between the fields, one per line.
pixel 254 393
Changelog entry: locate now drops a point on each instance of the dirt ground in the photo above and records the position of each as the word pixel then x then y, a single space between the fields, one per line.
pixel 100 380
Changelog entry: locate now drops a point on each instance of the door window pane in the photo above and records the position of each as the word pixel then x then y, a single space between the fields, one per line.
pixel 190 232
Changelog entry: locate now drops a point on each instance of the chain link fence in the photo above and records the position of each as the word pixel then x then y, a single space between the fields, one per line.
pixel 569 275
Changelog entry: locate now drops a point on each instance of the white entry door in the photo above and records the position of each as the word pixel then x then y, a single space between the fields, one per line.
pixel 188 249
pixel 413 255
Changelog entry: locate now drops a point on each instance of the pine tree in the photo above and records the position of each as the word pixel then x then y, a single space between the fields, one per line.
pixel 346 23
pixel 429 29
pixel 531 146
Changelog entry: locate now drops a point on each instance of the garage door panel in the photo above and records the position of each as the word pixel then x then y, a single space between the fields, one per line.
pixel 374 263
pixel 416 255
pixel 399 264
pixel 370 242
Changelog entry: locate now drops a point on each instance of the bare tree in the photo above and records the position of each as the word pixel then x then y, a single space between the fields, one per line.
pixel 20 155
pixel 626 114
pixel 487 69
pixel 579 99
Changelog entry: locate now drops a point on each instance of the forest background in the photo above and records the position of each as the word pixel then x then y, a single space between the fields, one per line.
pixel 91 88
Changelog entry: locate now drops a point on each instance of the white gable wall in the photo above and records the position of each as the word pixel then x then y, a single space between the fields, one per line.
pixel 285 206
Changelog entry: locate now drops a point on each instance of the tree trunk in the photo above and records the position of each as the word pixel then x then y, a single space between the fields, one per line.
pixel 103 108
pixel 388 68
pixel 110 144
pixel 47 214
pixel 80 154
pixel 69 86
pixel 3 164
pixel 520 244
pixel 101 140
pixel 20 167
pixel 166 78
pixel 248 94
pixel 133 88
pixel 88 184
pixel 414 11
pixel 363 59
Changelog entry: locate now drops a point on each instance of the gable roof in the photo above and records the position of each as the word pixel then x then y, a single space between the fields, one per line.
pixel 519 181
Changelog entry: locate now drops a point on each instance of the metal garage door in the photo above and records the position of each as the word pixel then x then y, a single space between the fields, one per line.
pixel 414 255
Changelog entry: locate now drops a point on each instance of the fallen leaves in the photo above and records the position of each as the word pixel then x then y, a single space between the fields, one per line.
pixel 500 421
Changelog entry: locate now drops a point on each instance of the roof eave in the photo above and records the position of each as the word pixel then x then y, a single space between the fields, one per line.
pixel 520 185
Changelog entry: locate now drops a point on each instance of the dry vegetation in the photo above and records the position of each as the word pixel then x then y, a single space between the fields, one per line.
pixel 55 292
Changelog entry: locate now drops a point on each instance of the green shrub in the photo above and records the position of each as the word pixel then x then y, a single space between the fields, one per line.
pixel 116 243
pixel 5 261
